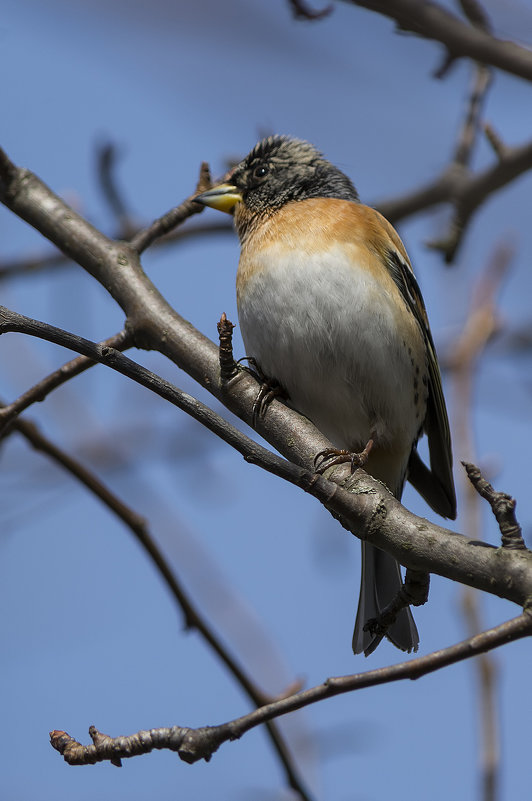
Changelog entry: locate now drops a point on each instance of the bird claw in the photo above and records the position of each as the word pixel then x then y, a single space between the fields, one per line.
pixel 333 456
pixel 269 389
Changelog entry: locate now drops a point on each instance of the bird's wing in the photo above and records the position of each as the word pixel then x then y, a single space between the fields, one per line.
pixel 436 485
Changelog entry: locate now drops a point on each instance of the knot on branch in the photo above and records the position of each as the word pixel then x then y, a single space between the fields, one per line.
pixel 191 744
pixel 228 366
pixel 502 506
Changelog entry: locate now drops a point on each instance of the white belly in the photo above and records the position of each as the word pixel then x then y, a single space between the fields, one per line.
pixel 329 334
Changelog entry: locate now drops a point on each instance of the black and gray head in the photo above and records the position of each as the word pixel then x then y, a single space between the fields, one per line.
pixel 278 170
pixel 281 169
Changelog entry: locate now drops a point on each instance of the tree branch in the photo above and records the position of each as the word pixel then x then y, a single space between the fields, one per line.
pixel 42 389
pixel 362 504
pixel 28 265
pixel 193 618
pixel 366 509
pixel 481 324
pixel 195 744
pixel 466 191
pixel 163 225
pixel 461 40
pixel 106 159
pixel 502 506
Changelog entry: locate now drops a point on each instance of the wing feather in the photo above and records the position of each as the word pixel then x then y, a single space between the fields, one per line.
pixel 441 497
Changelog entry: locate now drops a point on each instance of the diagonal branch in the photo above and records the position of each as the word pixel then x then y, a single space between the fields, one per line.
pixel 28 265
pixel 433 21
pixel 466 191
pixel 366 509
pixel 176 216
pixel 195 744
pixel 193 618
pixel 39 391
pixel 362 504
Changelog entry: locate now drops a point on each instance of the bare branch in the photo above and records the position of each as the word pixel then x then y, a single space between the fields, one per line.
pixel 364 502
pixel 195 744
pixel 480 326
pixel 496 143
pixel 228 366
pixel 11 321
pixel 476 14
pixel 163 225
pixel 193 618
pixel 461 40
pixel 106 160
pixel 480 85
pixel 502 506
pixel 28 265
pixel 465 190
pixel 42 389
pixel 301 10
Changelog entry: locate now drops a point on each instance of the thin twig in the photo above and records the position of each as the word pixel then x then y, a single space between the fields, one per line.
pixel 487 687
pixel 479 328
pixel 301 10
pixel 176 216
pixel 466 192
pixel 195 744
pixel 502 506
pixel 478 17
pixel 495 141
pixel 476 14
pixel 37 393
pixel 28 265
pixel 228 366
pixel 481 82
pixel 11 321
pixel 106 161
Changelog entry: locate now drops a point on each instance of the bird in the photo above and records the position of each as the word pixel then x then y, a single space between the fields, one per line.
pixel 329 307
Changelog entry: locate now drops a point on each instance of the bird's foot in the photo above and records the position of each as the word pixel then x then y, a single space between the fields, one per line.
pixel 414 592
pixel 269 389
pixel 333 456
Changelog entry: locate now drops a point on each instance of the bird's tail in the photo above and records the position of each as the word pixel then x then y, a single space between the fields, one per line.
pixel 380 582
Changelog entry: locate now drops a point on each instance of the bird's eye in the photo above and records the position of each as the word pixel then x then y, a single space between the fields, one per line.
pixel 261 171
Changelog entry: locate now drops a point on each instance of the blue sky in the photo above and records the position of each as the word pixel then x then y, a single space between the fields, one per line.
pixel 89 634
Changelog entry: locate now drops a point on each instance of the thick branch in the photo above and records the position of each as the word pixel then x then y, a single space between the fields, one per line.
pixel 195 744
pixel 361 503
pixel 366 509
pixel 461 40
pixel 28 265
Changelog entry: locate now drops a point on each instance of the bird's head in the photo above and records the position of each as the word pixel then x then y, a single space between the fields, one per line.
pixel 277 171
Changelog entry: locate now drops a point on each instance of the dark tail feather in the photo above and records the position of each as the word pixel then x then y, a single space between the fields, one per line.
pixel 438 494
pixel 380 583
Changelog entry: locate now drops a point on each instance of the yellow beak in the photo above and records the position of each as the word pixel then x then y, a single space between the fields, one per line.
pixel 223 197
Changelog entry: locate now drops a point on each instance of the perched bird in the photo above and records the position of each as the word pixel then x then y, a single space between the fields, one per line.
pixel 330 308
